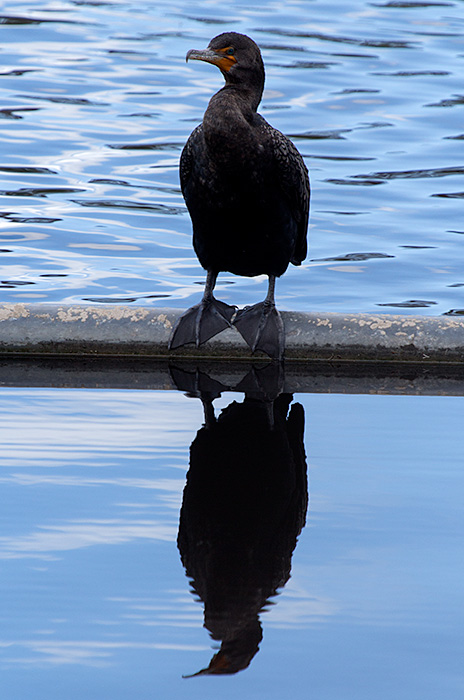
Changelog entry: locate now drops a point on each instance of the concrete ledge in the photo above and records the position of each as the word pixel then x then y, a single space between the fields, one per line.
pixel 57 329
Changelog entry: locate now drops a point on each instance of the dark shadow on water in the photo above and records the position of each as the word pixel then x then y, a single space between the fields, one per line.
pixel 244 506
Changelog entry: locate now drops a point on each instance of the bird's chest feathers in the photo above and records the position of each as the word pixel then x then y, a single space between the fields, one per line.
pixel 232 143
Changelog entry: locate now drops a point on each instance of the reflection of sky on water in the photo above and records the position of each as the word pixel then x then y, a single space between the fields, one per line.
pixel 116 423
pixel 92 483
pixel 75 535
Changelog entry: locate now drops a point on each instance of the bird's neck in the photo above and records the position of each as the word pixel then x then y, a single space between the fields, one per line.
pixel 237 100
pixel 228 121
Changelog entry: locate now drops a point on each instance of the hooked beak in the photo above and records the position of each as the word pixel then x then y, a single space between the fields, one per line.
pixel 219 59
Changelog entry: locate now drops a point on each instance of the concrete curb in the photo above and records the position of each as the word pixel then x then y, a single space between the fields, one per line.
pixel 58 329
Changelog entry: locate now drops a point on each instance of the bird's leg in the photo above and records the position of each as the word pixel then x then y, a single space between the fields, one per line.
pixel 261 325
pixel 204 320
pixel 208 409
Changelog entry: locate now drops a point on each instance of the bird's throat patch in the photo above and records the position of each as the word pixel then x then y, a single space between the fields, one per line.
pixel 226 62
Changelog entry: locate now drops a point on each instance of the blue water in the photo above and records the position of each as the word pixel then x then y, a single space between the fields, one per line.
pixel 95 602
pixel 96 102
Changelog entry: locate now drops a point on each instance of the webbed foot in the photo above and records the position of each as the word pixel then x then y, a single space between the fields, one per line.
pixel 201 322
pixel 262 328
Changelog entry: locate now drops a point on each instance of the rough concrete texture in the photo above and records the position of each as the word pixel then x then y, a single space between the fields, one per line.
pixel 142 331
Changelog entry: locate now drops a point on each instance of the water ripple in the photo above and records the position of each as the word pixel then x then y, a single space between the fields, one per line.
pixel 448 102
pixel 450 195
pixel 12 113
pixel 412 5
pixel 29 169
pixel 127 204
pixel 147 146
pixel 372 43
pixel 96 102
pixel 65 100
pixel 17 19
pixel 414 174
pixel 411 304
pixel 39 191
pixel 353 257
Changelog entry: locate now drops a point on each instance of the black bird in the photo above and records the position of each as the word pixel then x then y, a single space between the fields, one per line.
pixel 247 190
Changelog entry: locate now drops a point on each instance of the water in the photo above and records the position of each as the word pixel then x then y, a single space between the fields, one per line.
pixel 95 602
pixel 97 102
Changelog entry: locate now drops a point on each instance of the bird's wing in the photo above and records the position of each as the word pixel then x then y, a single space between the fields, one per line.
pixel 294 182
pixel 187 157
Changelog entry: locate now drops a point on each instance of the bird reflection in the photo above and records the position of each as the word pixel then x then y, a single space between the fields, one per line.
pixel 244 506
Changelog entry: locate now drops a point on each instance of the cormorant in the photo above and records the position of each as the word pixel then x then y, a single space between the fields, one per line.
pixel 247 190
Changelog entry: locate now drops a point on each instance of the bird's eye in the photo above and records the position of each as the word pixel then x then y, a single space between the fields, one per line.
pixel 230 51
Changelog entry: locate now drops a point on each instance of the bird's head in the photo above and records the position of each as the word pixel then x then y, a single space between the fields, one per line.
pixel 237 56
